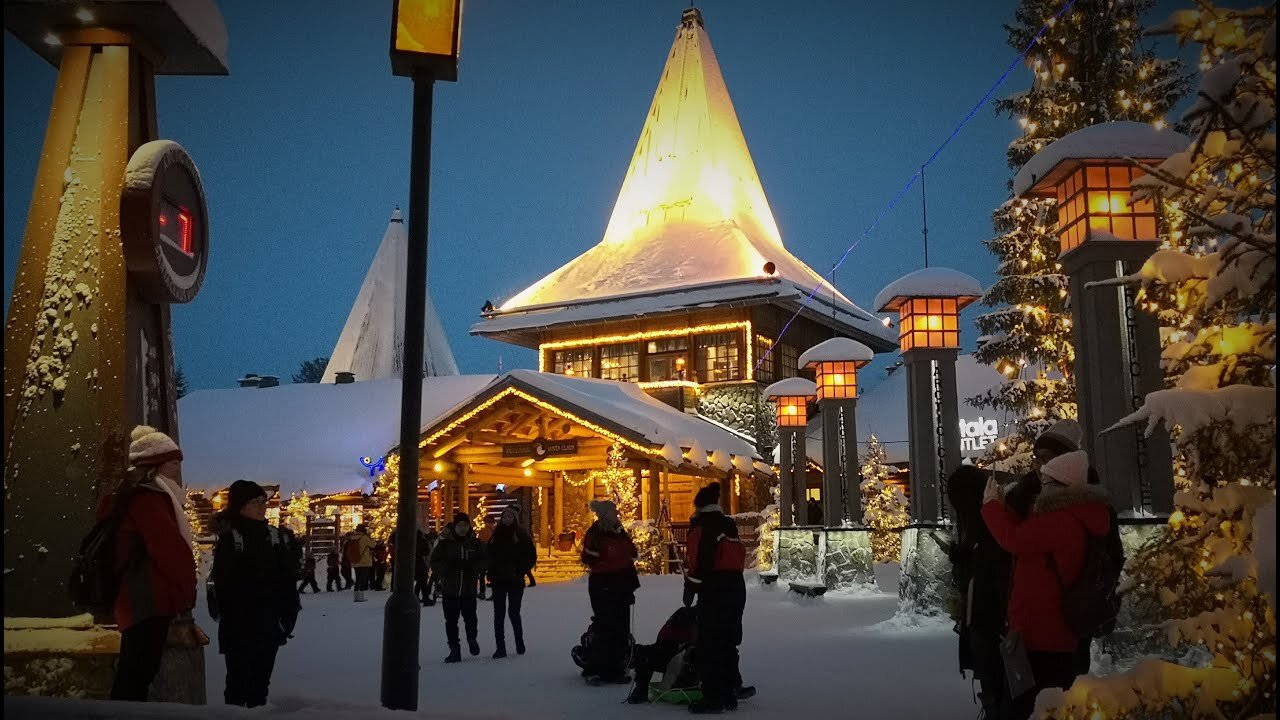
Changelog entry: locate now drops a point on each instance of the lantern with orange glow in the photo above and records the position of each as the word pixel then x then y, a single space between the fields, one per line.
pixel 835 363
pixel 425 35
pixel 1089 173
pixel 928 303
pixel 792 397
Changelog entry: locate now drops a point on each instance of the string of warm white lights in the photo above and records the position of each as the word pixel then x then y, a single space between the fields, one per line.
pixel 918 175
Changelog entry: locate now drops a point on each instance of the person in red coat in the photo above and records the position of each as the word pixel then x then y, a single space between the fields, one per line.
pixel 1048 549
pixel 155 566
pixel 610 555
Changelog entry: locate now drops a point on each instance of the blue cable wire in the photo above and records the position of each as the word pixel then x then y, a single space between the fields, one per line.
pixel 910 183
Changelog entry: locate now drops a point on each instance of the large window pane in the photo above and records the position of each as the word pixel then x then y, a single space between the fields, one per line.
pixel 574 362
pixel 718 357
pixel 620 362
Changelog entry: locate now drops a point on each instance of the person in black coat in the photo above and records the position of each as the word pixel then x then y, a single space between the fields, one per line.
pixel 308 573
pixel 256 600
pixel 716 561
pixel 511 557
pixel 456 562
pixel 980 569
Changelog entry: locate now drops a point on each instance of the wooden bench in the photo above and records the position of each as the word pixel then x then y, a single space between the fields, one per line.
pixel 808 589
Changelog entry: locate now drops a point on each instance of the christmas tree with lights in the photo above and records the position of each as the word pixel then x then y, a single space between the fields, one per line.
pixel 886 506
pixel 1210 576
pixel 1088 68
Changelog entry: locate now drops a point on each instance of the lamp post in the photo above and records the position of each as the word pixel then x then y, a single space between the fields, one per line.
pixel 424 46
pixel 791 397
pixel 835 363
pixel 928 303
pixel 1104 235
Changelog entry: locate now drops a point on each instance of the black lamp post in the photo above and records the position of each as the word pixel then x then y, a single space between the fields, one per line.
pixel 424 46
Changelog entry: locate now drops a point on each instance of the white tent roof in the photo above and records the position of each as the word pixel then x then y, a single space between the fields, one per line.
pixel 691 210
pixel 372 342
pixel 304 436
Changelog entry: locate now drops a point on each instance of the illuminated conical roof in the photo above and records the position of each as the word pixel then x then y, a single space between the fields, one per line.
pixel 691 209
pixel 372 342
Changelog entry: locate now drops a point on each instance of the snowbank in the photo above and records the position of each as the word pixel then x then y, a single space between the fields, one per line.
pixel 836 350
pixel 934 282
pixel 1120 139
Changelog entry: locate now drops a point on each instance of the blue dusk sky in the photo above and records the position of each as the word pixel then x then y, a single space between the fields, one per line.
pixel 304 151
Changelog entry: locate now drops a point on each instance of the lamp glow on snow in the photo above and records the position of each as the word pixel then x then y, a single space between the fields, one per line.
pixel 425 35
pixel 928 303
pixel 835 363
pixel 792 396
pixel 1089 173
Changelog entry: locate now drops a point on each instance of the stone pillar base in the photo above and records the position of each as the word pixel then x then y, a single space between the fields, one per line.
pixel 74 657
pixel 926 587
pixel 796 558
pixel 846 559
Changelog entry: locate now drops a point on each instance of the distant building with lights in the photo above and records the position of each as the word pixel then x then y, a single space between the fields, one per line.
pixel 690 290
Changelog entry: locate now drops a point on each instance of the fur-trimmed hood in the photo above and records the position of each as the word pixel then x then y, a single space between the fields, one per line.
pixel 1089 503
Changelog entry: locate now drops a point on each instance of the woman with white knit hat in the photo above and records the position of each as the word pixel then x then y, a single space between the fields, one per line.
pixel 155 566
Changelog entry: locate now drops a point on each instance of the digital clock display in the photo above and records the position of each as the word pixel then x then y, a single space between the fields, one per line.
pixel 177 226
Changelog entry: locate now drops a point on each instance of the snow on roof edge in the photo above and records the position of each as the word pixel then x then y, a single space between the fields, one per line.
pixel 1118 139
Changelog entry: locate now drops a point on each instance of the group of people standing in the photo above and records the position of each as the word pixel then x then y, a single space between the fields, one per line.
pixel 252 589
pixel 1019 561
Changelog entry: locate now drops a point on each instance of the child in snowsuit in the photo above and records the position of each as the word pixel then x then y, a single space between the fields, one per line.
pixel 331 575
pixel 309 574
pixel 678 632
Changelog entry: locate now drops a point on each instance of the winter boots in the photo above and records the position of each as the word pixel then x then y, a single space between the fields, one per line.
pixel 455 655
pixel 360 596
pixel 501 652
pixel 473 645
pixel 519 645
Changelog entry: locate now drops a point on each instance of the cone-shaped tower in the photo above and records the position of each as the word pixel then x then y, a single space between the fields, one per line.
pixel 372 342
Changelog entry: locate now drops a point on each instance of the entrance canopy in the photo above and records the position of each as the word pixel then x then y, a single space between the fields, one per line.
pixel 528 425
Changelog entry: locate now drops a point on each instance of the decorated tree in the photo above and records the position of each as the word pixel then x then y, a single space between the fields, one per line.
pixel 1087 68
pixel 619 484
pixel 764 551
pixel 381 519
pixel 482 513
pixel 194 522
pixel 886 506
pixel 1216 293
pixel 296 512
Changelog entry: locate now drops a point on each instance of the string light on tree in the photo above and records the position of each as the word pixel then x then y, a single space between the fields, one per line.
pixel 886 505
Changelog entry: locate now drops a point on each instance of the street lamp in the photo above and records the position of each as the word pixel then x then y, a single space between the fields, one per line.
pixel 425 35
pixel 791 397
pixel 835 363
pixel 1103 235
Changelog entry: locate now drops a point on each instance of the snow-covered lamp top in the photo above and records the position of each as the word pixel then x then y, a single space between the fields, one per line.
pixel 185 37
pixel 835 363
pixel 792 397
pixel 1089 173
pixel 929 302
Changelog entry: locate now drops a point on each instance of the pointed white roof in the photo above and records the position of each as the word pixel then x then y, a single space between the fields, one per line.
pixel 372 342
pixel 691 211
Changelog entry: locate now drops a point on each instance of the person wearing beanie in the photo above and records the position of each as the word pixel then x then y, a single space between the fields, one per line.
pixel 511 556
pixel 1062 437
pixel 610 556
pixel 253 592
pixel 456 563
pixel 716 559
pixel 1049 550
pixel 155 569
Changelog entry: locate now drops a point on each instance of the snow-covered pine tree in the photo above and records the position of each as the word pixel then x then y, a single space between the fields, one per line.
pixel 1217 292
pixel 886 506
pixel 381 520
pixel 1088 68
pixel 295 513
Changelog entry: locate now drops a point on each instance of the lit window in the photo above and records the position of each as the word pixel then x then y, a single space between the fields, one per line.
pixel 576 362
pixel 787 358
pixel 718 357
pixel 668 359
pixel 764 346
pixel 620 362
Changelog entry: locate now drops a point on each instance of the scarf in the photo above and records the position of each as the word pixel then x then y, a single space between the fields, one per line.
pixel 174 491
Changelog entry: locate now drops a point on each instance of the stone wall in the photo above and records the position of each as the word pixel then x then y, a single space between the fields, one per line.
pixel 742 407
pixel 926 587
pixel 797 557
pixel 847 560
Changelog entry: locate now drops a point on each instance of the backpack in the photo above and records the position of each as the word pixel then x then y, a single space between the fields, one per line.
pixel 1092 603
pixel 352 551
pixel 94 581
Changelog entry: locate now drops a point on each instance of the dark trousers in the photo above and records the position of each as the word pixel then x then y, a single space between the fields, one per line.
pixel 1050 670
pixel 454 606
pixel 249 673
pixel 532 581
pixel 421 584
pixel 364 575
pixel 721 602
pixel 481 581
pixel 332 578
pixel 506 601
pixel 346 575
pixel 379 576
pixel 988 668
pixel 611 616
pixel 648 659
pixel 141 647
pixel 309 580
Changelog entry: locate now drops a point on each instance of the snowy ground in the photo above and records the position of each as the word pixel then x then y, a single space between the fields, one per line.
pixel 828 657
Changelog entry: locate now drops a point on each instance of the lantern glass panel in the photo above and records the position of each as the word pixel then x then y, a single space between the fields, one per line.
pixel 929 323
pixel 837 380
pixel 792 411
pixel 1097 198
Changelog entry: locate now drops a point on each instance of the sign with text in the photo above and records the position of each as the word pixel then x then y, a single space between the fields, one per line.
pixel 977 434
pixel 541 448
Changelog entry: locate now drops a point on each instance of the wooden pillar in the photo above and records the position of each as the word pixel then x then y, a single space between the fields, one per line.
pixel 544 516
pixel 558 490
pixel 730 497
pixel 464 490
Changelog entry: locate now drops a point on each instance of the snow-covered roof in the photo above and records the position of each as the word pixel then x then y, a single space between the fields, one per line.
pixel 521 326
pixel 836 350
pixel 187 37
pixel 1120 139
pixel 622 406
pixel 372 341
pixel 933 282
pixel 302 436
pixel 791 387
pixel 691 209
